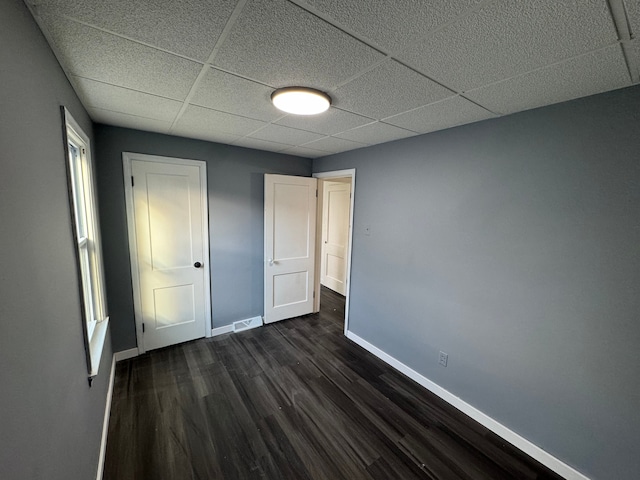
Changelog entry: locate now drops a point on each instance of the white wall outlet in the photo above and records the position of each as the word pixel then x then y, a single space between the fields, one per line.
pixel 443 359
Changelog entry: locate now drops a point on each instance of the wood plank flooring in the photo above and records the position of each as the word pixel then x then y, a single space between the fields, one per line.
pixel 292 400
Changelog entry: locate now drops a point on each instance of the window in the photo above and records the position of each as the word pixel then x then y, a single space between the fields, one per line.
pixel 87 239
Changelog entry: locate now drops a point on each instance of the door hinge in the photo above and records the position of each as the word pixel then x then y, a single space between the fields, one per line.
pixel 143 328
pixel 316 193
pixel 314 294
pixel 132 180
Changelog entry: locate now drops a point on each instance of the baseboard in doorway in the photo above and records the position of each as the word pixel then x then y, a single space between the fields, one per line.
pixel 545 458
pixel 221 330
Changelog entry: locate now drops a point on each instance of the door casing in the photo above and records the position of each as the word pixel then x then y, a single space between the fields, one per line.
pixel 127 158
pixel 351 173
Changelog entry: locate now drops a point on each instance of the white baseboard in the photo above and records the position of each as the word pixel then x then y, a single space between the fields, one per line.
pixel 221 330
pixel 496 427
pixel 105 421
pixel 125 354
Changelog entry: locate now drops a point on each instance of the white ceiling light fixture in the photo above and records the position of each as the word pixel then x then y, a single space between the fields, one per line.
pixel 301 100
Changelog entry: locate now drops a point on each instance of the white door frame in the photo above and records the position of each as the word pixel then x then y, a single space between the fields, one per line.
pixel 127 157
pixel 350 173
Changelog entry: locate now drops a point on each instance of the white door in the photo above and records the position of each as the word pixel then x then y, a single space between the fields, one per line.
pixel 289 246
pixel 335 235
pixel 167 215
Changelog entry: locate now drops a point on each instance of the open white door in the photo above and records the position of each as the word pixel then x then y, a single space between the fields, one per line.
pixel 336 211
pixel 168 236
pixel 289 246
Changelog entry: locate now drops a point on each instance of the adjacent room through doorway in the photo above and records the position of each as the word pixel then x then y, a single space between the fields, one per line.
pixel 333 246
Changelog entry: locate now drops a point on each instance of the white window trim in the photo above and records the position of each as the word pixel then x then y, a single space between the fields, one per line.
pixel 95 320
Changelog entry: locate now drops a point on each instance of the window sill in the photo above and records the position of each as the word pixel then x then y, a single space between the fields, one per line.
pixel 96 345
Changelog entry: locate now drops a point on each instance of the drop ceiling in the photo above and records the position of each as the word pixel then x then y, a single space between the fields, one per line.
pixel 394 69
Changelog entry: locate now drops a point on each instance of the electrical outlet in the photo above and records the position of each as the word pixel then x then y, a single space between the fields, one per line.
pixel 444 358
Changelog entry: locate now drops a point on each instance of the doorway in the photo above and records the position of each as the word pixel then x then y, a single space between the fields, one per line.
pixel 334 240
pixel 293 239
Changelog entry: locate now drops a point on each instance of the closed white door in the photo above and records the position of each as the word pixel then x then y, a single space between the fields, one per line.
pixel 289 246
pixel 168 221
pixel 335 235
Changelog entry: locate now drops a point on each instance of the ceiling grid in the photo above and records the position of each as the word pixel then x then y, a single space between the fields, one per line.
pixel 206 70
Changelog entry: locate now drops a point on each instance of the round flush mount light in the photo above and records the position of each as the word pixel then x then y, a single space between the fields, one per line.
pixel 301 100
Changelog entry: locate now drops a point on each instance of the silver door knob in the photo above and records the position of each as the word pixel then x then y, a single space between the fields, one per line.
pixel 271 262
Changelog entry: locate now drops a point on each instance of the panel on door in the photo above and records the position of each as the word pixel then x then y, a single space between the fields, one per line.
pixel 289 225
pixel 168 202
pixel 335 235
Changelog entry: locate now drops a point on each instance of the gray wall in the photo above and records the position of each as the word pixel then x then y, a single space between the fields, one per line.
pixel 514 246
pixel 235 178
pixel 50 419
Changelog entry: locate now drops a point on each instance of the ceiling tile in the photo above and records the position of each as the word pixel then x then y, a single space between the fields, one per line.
pixel 632 50
pixel 259 144
pixel 330 122
pixel 440 115
pixel 119 119
pixel 289 136
pixel 186 27
pixel 388 89
pixel 118 99
pixel 588 74
pixel 230 93
pixel 204 133
pixel 376 133
pixel 305 152
pixel 201 120
pixel 507 38
pixel 392 25
pixel 94 54
pixel 333 145
pixel 633 12
pixel 280 44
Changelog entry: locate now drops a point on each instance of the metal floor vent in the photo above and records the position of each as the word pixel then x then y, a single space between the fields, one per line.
pixel 247 324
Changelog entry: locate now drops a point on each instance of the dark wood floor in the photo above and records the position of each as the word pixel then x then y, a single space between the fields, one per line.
pixel 292 400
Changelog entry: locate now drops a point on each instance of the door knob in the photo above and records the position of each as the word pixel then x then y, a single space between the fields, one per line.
pixel 271 262
pixel 197 264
